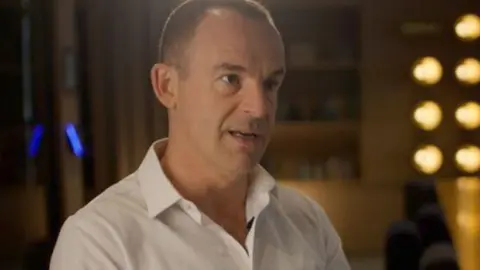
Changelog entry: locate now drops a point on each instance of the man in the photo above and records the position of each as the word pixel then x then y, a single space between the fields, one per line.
pixel 199 200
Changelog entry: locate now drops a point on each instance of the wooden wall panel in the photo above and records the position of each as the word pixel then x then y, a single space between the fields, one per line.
pixel 24 218
pixel 122 74
pixel 158 12
pixel 66 104
pixel 389 95
pixel 98 25
pixel 360 213
pixel 386 130
pixel 139 87
pixel 126 117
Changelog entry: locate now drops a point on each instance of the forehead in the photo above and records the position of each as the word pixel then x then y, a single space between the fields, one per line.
pixel 225 35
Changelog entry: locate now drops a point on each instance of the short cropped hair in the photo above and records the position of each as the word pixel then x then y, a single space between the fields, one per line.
pixel 182 22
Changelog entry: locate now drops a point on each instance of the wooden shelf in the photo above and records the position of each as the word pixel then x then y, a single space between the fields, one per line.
pixel 336 66
pixel 297 136
pixel 313 131
pixel 353 182
pixel 310 3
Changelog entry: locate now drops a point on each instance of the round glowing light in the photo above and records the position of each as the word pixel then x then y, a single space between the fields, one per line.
pixel 468 158
pixel 427 115
pixel 468 71
pixel 427 71
pixel 428 159
pixel 467 27
pixel 468 115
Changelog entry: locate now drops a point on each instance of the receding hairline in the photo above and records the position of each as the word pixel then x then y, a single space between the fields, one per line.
pixel 180 26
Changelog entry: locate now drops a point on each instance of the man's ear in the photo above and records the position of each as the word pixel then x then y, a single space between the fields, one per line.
pixel 164 83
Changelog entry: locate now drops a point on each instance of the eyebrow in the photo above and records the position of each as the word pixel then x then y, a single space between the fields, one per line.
pixel 278 72
pixel 230 67
pixel 239 68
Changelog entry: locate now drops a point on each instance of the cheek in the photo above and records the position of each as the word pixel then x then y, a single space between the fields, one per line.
pixel 201 113
pixel 272 107
pixel 204 107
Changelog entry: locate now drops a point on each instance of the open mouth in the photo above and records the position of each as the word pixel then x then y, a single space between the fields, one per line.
pixel 245 135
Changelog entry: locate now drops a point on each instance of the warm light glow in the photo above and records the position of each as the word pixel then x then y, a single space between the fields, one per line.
pixel 428 115
pixel 468 221
pixel 468 115
pixel 427 71
pixel 428 159
pixel 468 217
pixel 467 27
pixel 468 71
pixel 468 184
pixel 468 158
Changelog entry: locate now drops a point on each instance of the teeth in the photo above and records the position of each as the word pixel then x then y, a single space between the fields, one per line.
pixel 238 133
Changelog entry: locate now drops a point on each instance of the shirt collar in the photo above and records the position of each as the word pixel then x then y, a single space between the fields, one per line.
pixel 160 194
pixel 258 196
pixel 157 190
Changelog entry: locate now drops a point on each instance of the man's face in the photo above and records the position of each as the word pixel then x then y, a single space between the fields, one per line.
pixel 227 101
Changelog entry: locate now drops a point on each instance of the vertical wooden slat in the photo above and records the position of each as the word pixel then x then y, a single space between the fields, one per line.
pixel 66 99
pixel 139 72
pixel 97 47
pixel 158 12
pixel 121 81
pixel 109 87
pixel 387 131
pixel 152 12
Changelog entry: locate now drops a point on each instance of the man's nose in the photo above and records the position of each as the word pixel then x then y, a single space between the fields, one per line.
pixel 255 101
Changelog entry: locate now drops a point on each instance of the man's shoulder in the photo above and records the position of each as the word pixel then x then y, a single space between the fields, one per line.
pixel 292 199
pixel 298 207
pixel 313 225
pixel 115 206
pixel 95 234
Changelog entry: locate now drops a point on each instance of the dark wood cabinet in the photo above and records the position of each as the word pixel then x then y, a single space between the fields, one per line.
pixel 317 132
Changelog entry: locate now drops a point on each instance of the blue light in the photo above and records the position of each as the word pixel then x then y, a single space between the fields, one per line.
pixel 74 140
pixel 34 145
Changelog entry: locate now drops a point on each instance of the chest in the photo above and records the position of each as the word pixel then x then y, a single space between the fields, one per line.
pixel 183 244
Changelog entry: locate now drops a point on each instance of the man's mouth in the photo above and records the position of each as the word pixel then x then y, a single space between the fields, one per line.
pixel 242 134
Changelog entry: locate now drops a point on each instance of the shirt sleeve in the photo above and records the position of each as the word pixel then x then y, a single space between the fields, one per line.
pixel 83 248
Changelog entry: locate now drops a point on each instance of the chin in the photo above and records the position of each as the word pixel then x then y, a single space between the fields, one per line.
pixel 239 166
pixel 246 165
pixel 241 160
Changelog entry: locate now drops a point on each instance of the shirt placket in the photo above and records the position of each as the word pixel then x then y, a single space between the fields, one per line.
pixel 233 249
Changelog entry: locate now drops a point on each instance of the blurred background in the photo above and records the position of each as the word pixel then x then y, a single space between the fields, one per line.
pixel 378 119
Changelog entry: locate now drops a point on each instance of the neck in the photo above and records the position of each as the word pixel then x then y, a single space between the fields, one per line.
pixel 215 193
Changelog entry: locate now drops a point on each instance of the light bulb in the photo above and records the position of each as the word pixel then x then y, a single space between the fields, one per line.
pixel 467 27
pixel 427 71
pixel 428 115
pixel 468 115
pixel 468 71
pixel 428 159
pixel 468 158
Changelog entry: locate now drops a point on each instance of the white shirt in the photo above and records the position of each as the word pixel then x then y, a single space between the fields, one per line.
pixel 142 222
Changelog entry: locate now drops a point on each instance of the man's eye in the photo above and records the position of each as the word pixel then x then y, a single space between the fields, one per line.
pixel 270 85
pixel 232 79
